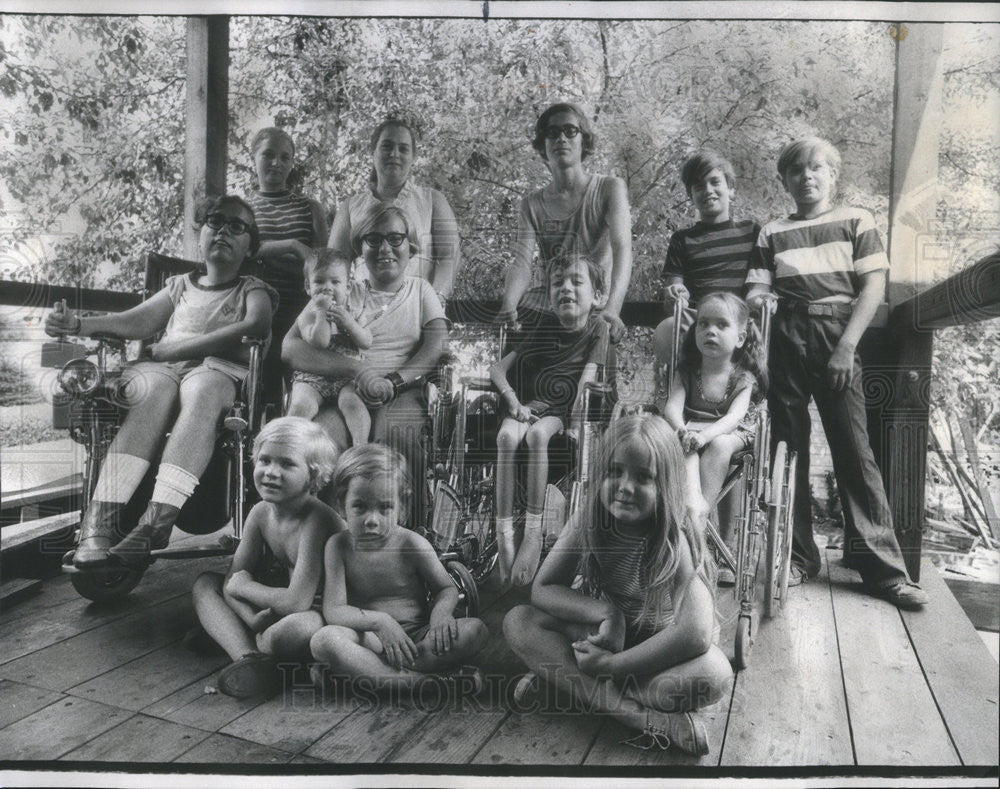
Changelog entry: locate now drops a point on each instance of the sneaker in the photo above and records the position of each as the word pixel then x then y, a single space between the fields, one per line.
pixel 254 674
pixel 796 575
pixel 903 594
pixel 683 730
pixel 464 681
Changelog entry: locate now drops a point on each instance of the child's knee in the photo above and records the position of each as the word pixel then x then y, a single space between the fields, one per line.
pixel 477 632
pixel 326 642
pixel 537 437
pixel 663 338
pixel 507 438
pixel 520 623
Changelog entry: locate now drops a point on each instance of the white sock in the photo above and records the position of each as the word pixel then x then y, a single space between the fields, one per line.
pixel 505 526
pixel 174 485
pixel 533 522
pixel 119 478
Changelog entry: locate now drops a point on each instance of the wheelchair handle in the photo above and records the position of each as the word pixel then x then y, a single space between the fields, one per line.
pixel 680 304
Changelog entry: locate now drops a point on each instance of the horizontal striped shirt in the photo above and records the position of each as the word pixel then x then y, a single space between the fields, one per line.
pixel 283 216
pixel 818 259
pixel 711 257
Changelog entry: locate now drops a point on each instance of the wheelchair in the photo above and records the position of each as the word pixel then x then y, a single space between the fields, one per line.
pixel 765 486
pixel 465 417
pixel 89 382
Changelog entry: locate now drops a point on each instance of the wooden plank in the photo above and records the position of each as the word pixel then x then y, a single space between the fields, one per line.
pixel 193 706
pixel 223 749
pixel 20 700
pixel 557 738
pixel 140 739
pixel 959 669
pixel 17 589
pixel 370 734
pixel 788 706
pixel 893 716
pixel 80 658
pixel 58 729
pixel 65 488
pixel 20 534
pixel 980 600
pixel 610 749
pixel 453 735
pixel 291 721
pixel 138 683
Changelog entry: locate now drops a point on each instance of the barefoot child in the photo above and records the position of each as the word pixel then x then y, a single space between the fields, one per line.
pixel 261 609
pixel 379 578
pixel 550 366
pixel 329 321
pixel 637 641
pixel 719 382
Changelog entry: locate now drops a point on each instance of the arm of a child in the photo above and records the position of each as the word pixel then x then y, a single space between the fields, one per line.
pixel 618 218
pixel 445 249
pixel 498 375
pixel 399 647
pixel 728 423
pixel 552 594
pixel 443 628
pixel 256 323
pixel 689 636
pixel 243 564
pixel 673 409
pixel 518 276
pixel 300 355
pixel 278 253
pixel 841 365
pixel 674 289
pixel 313 326
pixel 758 294
pixel 359 335
pixel 143 320
pixel 340 233
pixel 321 230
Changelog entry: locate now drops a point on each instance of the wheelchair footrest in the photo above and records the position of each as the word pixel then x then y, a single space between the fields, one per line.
pixel 196 552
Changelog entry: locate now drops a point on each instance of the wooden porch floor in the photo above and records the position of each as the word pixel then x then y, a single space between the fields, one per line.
pixel 840 680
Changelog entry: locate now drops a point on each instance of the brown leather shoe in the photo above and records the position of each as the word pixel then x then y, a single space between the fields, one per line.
pixel 152 533
pixel 98 532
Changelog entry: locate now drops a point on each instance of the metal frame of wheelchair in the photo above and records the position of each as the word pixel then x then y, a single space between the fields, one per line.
pixel 95 415
pixel 465 418
pixel 763 526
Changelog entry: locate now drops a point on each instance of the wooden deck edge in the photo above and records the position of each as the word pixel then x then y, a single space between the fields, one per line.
pixel 20 534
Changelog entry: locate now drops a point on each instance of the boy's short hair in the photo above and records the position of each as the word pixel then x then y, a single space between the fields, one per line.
pixel 566 260
pixel 700 164
pixel 807 147
pixel 319 451
pixel 322 258
pixel 366 461
pixel 272 133
pixel 542 124
pixel 213 203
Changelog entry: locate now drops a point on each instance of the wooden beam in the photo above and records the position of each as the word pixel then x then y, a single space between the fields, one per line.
pixel 969 296
pixel 915 131
pixel 206 117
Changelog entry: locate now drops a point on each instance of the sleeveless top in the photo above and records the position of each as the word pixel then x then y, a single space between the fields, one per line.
pixel 417 202
pixel 620 558
pixel 584 231
pixel 697 408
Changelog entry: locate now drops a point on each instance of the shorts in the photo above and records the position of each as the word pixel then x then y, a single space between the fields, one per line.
pixel 176 372
pixel 328 388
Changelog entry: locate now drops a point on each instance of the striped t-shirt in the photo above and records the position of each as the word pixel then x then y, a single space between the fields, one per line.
pixel 283 216
pixel 818 259
pixel 710 257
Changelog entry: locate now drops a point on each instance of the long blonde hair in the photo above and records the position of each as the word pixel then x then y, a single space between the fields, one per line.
pixel 669 524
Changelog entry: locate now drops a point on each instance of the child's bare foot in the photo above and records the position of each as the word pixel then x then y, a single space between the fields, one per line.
pixel 526 563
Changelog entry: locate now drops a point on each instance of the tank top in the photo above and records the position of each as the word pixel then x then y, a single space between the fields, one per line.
pixel 583 231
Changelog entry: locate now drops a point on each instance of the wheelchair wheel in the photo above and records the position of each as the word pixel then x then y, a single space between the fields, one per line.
pixel 468 592
pixel 778 538
pixel 105 586
pixel 744 642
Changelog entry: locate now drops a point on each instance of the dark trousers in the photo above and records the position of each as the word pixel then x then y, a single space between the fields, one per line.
pixel 801 346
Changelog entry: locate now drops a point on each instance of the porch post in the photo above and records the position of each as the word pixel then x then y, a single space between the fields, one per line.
pixel 206 117
pixel 903 420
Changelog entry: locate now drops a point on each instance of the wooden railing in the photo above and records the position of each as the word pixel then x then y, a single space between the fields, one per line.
pixel 898 359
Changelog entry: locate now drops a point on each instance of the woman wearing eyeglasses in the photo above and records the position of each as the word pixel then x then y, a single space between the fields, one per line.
pixel 576 214
pixel 190 381
pixel 433 229
pixel 408 332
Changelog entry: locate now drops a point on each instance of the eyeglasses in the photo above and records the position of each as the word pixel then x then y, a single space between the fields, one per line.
pixel 567 129
pixel 235 226
pixel 375 239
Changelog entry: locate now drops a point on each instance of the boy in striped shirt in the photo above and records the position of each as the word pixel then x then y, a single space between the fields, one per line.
pixel 712 255
pixel 827 267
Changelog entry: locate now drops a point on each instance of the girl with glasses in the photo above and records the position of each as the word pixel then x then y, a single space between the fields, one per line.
pixel 433 229
pixel 576 213
pixel 184 389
